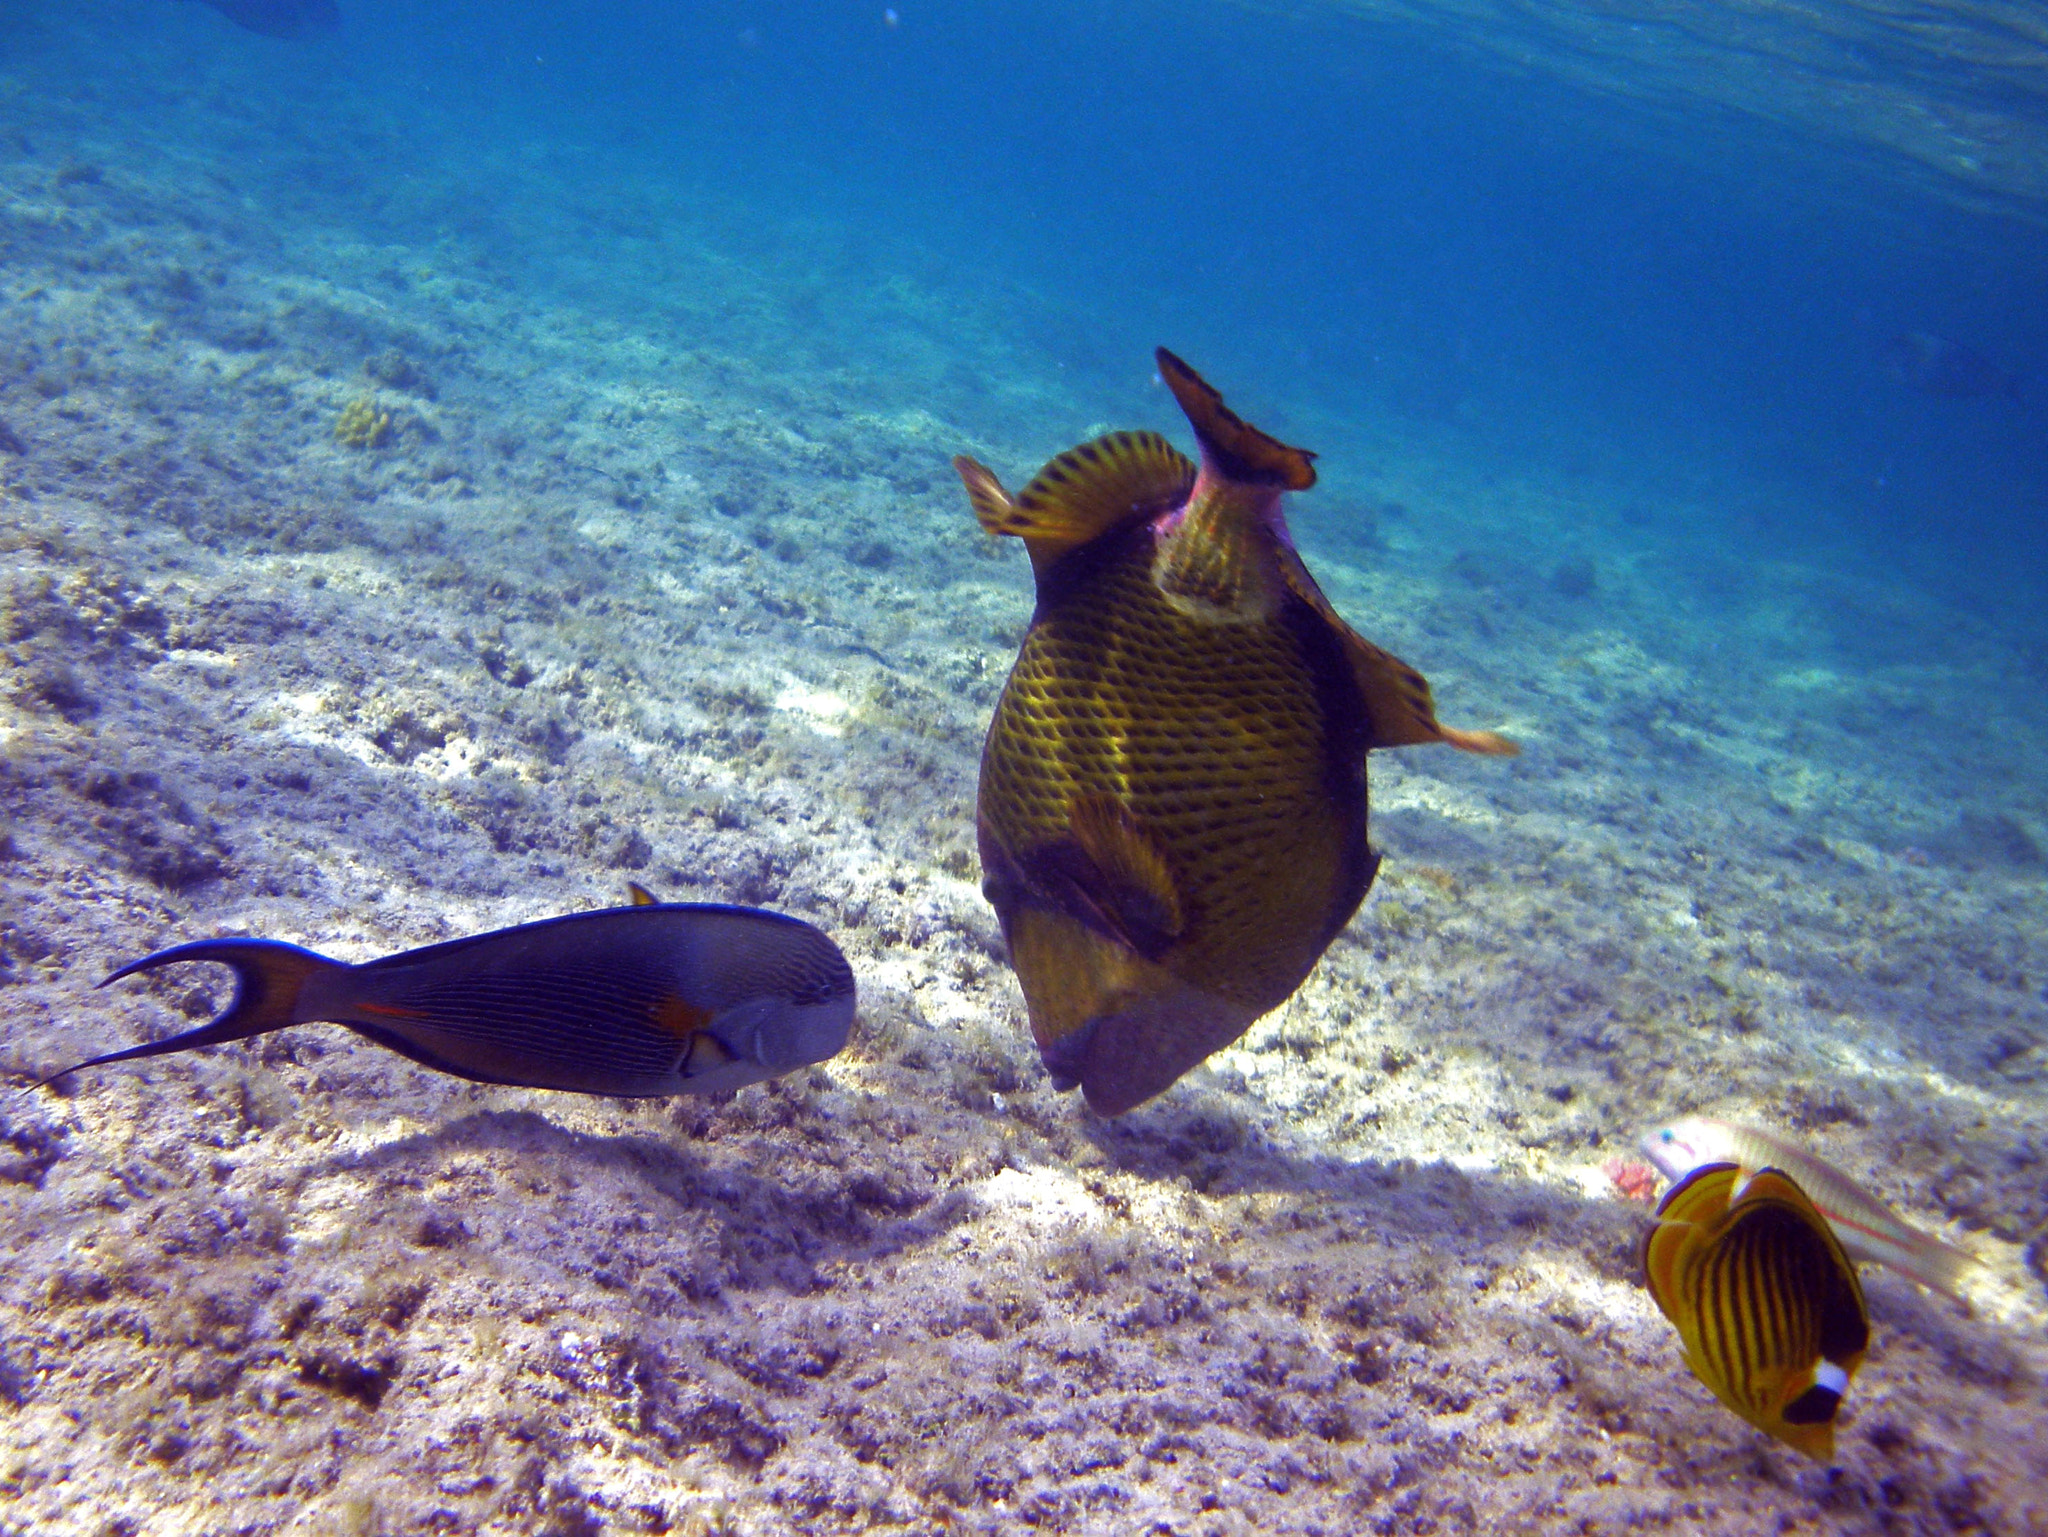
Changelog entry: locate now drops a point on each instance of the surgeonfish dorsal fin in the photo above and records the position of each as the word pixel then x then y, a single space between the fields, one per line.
pixel 1083 494
pixel 641 896
pixel 1234 448
pixel 1140 893
pixel 1397 697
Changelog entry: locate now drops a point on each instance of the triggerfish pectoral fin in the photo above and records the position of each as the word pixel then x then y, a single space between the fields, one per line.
pixel 270 978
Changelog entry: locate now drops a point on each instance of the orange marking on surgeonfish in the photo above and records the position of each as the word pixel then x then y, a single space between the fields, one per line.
pixel 679 1017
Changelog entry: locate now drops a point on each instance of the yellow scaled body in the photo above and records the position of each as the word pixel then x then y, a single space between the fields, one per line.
pixel 1172 810
pixel 1766 1301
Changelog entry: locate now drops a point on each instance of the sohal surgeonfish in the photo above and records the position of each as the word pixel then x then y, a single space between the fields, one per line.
pixel 1868 1229
pixel 1172 813
pixel 1764 1299
pixel 651 999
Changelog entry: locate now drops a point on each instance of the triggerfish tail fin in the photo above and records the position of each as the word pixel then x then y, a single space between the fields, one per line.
pixel 269 978
pixel 1082 494
pixel 1232 447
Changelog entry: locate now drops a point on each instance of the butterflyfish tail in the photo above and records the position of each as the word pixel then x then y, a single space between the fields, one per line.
pixel 1233 447
pixel 269 978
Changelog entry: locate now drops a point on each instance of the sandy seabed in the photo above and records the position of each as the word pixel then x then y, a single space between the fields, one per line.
pixel 586 601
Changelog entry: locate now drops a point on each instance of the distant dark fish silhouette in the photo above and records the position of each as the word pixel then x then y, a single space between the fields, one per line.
pixel 1934 365
pixel 281 18
pixel 645 1000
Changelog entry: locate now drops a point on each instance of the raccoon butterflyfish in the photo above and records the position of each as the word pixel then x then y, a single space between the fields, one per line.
pixel 1766 1302
pixel 651 999
pixel 1172 812
pixel 1869 1230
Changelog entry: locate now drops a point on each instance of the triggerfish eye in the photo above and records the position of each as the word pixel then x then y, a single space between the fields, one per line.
pixel 651 999
pixel 1767 1304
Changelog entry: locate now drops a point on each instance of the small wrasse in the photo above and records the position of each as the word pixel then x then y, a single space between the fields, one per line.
pixel 1867 1228
pixel 652 999
pixel 1763 1297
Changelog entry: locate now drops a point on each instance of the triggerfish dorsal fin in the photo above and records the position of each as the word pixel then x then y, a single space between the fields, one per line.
pixel 1397 698
pixel 1138 890
pixel 1083 494
pixel 1233 447
pixel 269 978
pixel 1764 1298
pixel 641 896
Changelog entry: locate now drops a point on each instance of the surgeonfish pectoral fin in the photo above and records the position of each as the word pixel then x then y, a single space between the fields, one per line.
pixel 269 977
pixel 1083 494
pixel 641 896
pixel 1231 446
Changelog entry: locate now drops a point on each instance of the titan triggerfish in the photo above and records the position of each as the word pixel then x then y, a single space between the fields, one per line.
pixel 1172 811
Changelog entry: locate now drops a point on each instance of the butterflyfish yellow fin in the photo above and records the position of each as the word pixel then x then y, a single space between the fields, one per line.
pixel 1397 697
pixel 1138 889
pixel 1232 446
pixel 641 896
pixel 1083 494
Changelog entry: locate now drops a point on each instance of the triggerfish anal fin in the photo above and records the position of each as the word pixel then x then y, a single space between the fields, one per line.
pixel 653 999
pixel 1081 495
pixel 1763 1297
pixel 1397 697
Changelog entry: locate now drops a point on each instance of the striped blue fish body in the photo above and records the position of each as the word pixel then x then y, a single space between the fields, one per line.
pixel 646 1000
pixel 1763 1297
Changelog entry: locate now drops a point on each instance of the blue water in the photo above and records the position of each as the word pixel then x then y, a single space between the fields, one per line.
pixel 1354 222
pixel 1587 310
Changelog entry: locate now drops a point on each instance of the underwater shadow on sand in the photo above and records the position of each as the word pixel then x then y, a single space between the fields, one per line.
pixel 814 1215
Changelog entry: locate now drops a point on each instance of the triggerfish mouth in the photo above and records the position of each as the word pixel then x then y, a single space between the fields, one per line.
pixel 1172 813
pixel 1764 1299
pixel 653 999
pixel 1868 1229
